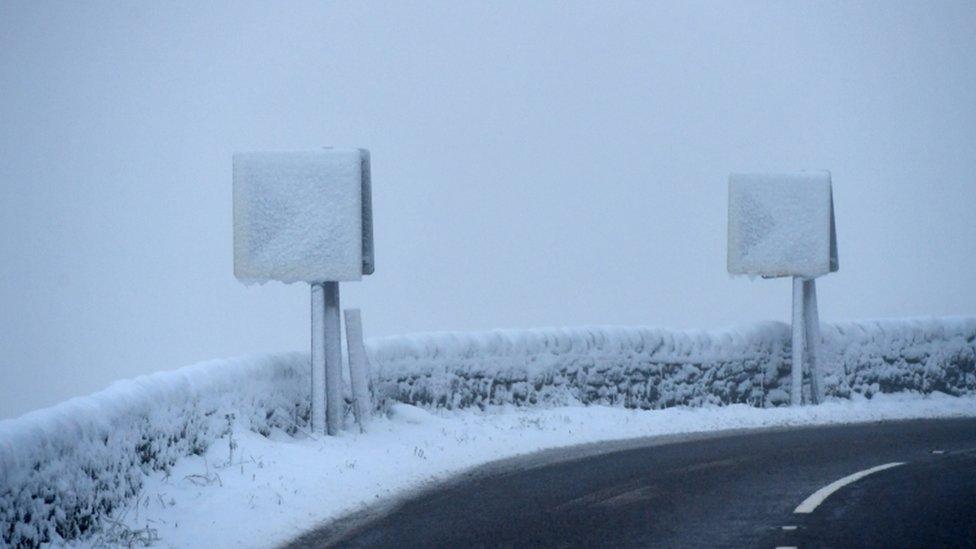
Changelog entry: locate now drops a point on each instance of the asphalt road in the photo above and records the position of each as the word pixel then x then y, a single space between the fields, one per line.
pixel 722 491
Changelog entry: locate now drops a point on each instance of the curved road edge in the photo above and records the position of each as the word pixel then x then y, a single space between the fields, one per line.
pixel 355 524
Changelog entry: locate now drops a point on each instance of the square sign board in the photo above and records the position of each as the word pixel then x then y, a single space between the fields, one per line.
pixel 302 216
pixel 782 225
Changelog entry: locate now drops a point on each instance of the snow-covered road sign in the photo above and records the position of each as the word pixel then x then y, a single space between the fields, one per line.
pixel 781 225
pixel 307 216
pixel 302 216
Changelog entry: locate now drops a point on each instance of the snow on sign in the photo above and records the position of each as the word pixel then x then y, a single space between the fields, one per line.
pixel 302 216
pixel 781 225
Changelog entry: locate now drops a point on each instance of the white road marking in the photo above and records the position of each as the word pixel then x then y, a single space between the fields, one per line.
pixel 808 505
pixel 786 547
pixel 789 528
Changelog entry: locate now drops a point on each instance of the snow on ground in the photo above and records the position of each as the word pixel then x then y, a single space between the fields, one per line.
pixel 253 491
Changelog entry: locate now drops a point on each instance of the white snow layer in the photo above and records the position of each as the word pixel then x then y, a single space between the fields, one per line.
pixel 298 216
pixel 65 469
pixel 780 224
pixel 269 491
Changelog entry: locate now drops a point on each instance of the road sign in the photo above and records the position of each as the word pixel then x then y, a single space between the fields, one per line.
pixel 782 224
pixel 307 217
pixel 302 216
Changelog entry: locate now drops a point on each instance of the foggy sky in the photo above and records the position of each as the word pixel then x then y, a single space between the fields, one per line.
pixel 534 164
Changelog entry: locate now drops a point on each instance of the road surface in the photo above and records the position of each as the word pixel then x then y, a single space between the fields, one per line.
pixel 738 490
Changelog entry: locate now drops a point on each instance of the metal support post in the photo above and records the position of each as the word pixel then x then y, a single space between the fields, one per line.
pixel 318 359
pixel 799 333
pixel 812 322
pixel 333 359
pixel 358 368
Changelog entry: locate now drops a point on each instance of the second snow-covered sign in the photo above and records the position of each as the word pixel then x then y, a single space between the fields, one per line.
pixel 781 224
pixel 302 216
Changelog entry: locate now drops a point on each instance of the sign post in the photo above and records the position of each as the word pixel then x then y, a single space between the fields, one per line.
pixel 811 321
pixel 307 217
pixel 318 357
pixel 358 368
pixel 798 342
pixel 333 359
pixel 782 225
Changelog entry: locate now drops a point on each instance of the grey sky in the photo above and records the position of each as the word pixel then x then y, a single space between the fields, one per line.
pixel 534 164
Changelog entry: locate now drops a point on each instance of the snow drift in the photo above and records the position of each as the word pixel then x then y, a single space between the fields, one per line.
pixel 63 468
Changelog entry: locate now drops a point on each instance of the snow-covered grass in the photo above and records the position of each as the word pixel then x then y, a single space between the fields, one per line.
pixel 253 491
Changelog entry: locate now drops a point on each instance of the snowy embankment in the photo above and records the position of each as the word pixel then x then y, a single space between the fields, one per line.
pixel 114 465
pixel 64 468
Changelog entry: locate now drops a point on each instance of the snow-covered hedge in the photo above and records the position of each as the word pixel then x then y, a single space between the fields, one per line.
pixel 890 356
pixel 64 468
pixel 633 367
pixel 654 368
